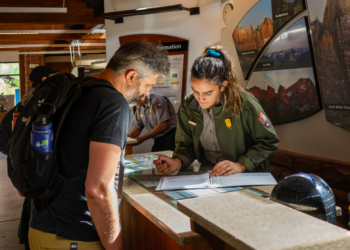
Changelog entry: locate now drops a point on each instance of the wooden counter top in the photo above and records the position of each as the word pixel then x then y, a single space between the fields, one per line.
pixel 130 141
pixel 164 216
pixel 247 221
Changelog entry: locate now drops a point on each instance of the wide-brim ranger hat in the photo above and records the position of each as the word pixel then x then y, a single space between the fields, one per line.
pixel 39 72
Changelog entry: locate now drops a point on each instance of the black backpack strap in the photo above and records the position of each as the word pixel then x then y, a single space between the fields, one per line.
pixel 121 179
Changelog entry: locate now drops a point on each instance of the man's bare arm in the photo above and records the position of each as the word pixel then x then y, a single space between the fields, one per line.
pixel 135 132
pixel 155 131
pixel 100 192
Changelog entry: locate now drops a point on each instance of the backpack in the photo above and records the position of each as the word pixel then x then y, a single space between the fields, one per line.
pixel 6 130
pixel 28 168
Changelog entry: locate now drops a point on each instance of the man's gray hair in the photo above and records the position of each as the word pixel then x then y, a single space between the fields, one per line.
pixel 143 57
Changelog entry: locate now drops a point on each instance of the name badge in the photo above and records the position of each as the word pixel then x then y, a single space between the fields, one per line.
pixel 73 246
pixel 192 123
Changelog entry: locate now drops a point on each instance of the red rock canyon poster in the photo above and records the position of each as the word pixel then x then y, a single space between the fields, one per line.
pixel 284 80
pixel 330 27
pixel 259 25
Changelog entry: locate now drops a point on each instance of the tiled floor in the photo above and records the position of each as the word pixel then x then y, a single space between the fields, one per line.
pixel 10 210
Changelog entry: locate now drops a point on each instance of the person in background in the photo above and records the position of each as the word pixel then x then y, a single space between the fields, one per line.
pixel 219 123
pixel 157 114
pixel 84 213
pixel 37 76
pixel 40 74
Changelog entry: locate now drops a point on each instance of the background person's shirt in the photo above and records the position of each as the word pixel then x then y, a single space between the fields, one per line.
pixel 158 109
pixel 101 115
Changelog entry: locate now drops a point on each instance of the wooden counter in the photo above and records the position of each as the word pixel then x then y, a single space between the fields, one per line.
pixel 241 220
pixel 150 223
pixel 129 143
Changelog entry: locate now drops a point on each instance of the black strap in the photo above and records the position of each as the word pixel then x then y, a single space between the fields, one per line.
pixel 121 178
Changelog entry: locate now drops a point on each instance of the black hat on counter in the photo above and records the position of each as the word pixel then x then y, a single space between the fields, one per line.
pixel 307 193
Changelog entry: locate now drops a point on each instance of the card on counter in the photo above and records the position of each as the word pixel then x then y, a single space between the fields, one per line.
pixel 175 195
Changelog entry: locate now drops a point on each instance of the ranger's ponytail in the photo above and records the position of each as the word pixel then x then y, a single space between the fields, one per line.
pixel 215 65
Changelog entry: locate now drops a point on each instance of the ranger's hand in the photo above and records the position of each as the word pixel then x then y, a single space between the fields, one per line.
pixel 139 141
pixel 227 168
pixel 166 165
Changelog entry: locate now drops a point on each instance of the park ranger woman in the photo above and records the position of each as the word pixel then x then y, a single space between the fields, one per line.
pixel 219 123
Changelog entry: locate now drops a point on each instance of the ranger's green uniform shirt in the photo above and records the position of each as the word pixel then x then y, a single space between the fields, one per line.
pixel 248 139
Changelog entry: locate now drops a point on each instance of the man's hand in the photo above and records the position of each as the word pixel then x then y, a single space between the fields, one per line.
pixel 227 168
pixel 166 165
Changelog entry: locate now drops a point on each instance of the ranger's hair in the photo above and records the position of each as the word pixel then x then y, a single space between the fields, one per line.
pixel 216 70
pixel 143 57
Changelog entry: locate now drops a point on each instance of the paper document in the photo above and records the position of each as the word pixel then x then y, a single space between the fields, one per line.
pixel 243 179
pixel 203 192
pixel 208 181
pixel 183 182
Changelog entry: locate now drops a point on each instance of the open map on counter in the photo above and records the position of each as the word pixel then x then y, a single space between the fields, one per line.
pixel 141 159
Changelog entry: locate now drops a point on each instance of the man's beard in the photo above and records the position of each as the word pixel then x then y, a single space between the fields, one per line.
pixel 132 102
pixel 132 94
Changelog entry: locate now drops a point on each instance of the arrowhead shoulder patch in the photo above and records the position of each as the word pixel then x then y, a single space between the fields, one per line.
pixel 263 120
pixel 158 105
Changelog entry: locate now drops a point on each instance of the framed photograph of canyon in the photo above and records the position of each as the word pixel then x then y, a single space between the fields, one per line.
pixel 259 25
pixel 285 10
pixel 330 26
pixel 290 50
pixel 286 95
pixel 284 80
pixel 252 33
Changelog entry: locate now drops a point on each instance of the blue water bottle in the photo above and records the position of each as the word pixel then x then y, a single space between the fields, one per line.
pixel 41 156
pixel 42 134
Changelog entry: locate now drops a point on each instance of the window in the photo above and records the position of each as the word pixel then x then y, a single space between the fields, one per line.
pixel 9 85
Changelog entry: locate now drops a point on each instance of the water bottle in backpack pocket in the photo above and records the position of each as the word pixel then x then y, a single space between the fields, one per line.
pixel 42 156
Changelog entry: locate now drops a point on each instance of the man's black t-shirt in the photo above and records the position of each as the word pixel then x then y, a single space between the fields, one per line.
pixel 101 115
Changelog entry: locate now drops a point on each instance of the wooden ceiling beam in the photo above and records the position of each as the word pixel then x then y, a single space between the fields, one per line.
pixel 77 13
pixel 52 19
pixel 26 26
pixel 69 37
pixel 34 3
pixel 43 3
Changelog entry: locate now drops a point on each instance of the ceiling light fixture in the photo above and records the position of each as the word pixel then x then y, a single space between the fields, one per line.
pixel 118 16
pixel 47 45
pixel 62 52
pixel 32 10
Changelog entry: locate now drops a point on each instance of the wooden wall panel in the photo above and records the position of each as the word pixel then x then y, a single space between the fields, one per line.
pixel 141 234
pixel 63 67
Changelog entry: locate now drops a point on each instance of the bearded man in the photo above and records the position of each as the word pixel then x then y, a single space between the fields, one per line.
pixel 84 214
